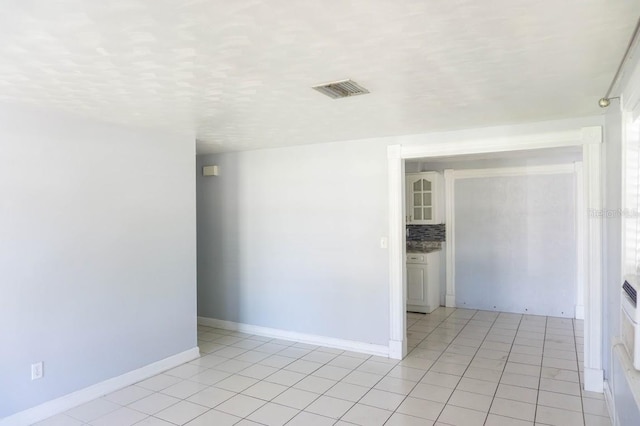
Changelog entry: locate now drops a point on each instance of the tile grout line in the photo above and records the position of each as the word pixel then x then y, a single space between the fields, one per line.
pixel 544 342
pixel 493 398
pixel 445 323
pixel 443 352
pixel 450 343
pixel 418 381
pixel 295 383
pixel 472 358
pixel 580 384
pixel 428 369
pixel 311 374
pixel 429 333
pixel 474 355
pixel 248 337
pixel 364 360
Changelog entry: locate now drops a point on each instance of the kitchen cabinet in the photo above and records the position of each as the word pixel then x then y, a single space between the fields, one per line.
pixel 423 282
pixel 422 197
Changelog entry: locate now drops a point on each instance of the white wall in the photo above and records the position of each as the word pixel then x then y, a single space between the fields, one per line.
pixel 515 244
pixel 97 252
pixel 539 157
pixel 289 239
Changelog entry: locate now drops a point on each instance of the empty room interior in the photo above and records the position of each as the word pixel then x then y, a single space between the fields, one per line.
pixel 319 213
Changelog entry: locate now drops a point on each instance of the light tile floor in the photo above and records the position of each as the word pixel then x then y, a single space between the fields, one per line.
pixel 465 368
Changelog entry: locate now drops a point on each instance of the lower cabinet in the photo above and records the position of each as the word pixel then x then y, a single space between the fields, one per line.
pixel 423 282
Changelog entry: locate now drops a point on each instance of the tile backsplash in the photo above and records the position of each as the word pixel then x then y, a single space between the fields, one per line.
pixel 426 232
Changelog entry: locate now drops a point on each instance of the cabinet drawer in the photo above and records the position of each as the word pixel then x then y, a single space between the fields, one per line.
pixel 416 258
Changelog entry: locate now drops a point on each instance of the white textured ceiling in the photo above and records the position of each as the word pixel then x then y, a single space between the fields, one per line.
pixel 237 73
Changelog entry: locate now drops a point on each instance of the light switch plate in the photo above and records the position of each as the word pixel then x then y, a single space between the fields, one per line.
pixel 37 370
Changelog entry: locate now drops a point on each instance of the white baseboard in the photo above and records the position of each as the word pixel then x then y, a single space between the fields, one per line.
pixel 418 309
pixel 450 301
pixel 312 339
pixel 593 380
pixel 611 407
pixel 580 312
pixel 66 402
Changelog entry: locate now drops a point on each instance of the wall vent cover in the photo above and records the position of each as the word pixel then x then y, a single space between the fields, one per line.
pixel 341 89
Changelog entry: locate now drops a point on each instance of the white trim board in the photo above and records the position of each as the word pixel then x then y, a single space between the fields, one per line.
pixel 79 397
pixel 581 247
pixel 311 339
pixel 397 252
pixel 593 318
pixel 576 137
pixel 590 139
pixel 450 276
pixel 514 171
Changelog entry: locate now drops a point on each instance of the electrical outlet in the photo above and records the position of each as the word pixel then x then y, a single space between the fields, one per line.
pixel 37 370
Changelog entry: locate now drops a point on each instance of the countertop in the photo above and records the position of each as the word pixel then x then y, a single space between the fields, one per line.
pixel 423 246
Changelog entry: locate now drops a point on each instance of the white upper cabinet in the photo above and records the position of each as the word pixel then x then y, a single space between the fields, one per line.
pixel 422 198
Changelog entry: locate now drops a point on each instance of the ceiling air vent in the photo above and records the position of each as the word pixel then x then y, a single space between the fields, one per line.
pixel 341 89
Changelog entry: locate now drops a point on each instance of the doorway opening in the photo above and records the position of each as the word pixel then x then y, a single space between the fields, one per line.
pixel 584 141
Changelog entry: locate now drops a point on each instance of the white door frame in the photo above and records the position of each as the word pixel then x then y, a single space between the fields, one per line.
pixel 590 139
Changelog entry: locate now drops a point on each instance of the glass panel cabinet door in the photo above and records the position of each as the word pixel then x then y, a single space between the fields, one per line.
pixel 427 213
pixel 417 213
pixel 424 195
pixel 420 198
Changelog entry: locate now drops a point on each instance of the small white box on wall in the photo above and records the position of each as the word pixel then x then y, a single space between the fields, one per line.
pixel 210 171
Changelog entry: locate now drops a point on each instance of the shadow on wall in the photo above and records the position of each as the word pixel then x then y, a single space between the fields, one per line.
pixel 218 237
